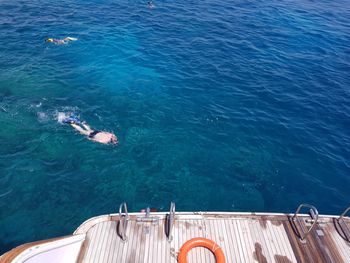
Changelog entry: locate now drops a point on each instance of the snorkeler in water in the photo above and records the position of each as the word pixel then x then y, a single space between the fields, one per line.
pixel 150 4
pixel 61 41
pixel 93 135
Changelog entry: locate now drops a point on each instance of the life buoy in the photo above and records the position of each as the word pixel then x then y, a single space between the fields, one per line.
pixel 201 242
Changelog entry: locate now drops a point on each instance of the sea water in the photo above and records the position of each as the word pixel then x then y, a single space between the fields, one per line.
pixel 218 105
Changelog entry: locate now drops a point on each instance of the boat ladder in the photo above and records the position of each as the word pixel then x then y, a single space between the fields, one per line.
pixel 147 218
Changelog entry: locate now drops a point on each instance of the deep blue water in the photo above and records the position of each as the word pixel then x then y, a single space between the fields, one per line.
pixel 218 105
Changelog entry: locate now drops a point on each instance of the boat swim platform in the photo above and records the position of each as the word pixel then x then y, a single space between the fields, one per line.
pixel 243 237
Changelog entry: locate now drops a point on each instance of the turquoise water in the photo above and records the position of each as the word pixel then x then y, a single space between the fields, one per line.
pixel 218 105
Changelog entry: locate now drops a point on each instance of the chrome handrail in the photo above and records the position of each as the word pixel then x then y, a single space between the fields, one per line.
pixel 345 231
pixel 169 222
pixel 314 217
pixel 344 213
pixel 123 218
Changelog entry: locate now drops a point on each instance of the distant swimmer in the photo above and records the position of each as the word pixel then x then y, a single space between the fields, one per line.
pixel 93 135
pixel 61 41
pixel 150 4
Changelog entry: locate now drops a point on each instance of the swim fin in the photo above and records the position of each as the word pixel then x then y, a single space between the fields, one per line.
pixel 71 38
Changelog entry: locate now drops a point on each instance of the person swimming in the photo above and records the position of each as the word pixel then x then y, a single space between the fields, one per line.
pixel 150 4
pixel 60 41
pixel 93 135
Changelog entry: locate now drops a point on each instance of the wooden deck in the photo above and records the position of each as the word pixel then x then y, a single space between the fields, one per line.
pixel 243 238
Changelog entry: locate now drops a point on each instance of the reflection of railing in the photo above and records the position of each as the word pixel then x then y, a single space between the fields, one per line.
pixel 314 217
pixel 123 221
pixel 169 222
pixel 343 226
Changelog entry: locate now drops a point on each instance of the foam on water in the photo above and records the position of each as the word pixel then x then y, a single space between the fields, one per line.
pixel 218 105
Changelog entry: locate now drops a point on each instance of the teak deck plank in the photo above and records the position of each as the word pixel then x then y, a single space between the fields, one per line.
pixel 243 238
pixel 343 245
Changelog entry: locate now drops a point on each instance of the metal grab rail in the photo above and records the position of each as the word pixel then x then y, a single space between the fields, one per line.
pixel 123 221
pixel 314 217
pixel 169 222
pixel 344 213
pixel 344 228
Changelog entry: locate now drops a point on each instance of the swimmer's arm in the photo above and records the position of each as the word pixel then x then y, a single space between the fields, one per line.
pixel 87 127
pixel 80 129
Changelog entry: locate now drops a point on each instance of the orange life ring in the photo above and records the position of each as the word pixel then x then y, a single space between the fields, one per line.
pixel 201 242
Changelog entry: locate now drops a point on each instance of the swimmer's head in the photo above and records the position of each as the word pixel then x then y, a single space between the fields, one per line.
pixel 49 40
pixel 114 139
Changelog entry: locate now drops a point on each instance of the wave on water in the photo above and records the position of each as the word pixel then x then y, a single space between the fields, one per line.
pixel 6 193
